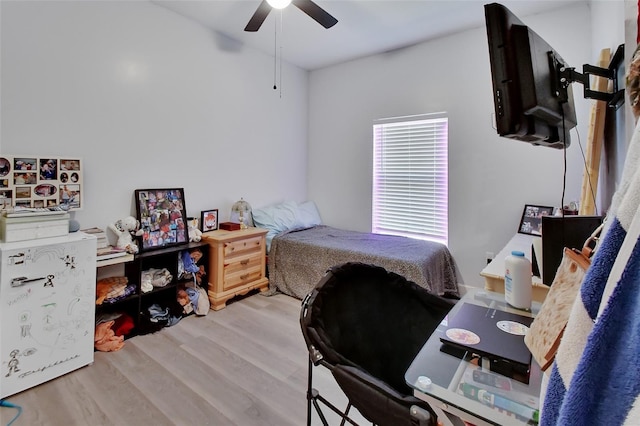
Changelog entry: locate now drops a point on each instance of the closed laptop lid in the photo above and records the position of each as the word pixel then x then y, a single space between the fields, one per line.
pixel 489 332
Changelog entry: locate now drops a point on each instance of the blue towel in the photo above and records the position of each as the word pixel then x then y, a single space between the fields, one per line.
pixel 595 379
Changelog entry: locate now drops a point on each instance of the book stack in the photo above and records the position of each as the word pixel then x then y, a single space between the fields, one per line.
pixel 110 252
pixel 100 235
pixel 105 251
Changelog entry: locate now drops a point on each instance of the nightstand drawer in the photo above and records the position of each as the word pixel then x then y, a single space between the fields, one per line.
pixel 242 264
pixel 242 278
pixel 234 248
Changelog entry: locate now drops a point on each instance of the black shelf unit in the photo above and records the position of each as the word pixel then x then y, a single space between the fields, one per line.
pixel 137 304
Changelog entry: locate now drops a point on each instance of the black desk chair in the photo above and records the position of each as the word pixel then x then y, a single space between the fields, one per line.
pixel 366 325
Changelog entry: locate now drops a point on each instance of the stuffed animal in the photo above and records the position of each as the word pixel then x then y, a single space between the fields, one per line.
pixel 125 229
pixel 195 234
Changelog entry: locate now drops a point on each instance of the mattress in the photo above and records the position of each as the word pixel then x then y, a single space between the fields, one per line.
pixel 298 259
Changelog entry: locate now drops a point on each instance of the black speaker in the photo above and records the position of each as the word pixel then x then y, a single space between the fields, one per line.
pixel 560 232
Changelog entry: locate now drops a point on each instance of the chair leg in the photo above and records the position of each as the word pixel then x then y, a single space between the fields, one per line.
pixel 346 413
pixel 309 389
pixel 313 396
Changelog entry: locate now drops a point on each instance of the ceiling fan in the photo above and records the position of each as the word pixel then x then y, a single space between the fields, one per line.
pixel 307 6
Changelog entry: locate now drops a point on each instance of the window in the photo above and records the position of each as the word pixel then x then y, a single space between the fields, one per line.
pixel 410 177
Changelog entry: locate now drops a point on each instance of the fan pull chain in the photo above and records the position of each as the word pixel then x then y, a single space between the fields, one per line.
pixel 277 55
pixel 281 37
pixel 275 52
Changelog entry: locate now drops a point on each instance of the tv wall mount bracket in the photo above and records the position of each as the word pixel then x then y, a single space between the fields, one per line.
pixel 615 99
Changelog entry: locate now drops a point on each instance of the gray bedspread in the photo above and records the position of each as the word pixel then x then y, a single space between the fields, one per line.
pixel 299 259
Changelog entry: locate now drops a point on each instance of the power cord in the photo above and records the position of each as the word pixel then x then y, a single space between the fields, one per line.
pixel 5 403
pixel 564 174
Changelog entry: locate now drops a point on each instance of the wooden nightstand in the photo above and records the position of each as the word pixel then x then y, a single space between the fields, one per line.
pixel 237 263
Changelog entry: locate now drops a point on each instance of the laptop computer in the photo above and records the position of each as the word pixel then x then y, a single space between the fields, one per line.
pixel 489 332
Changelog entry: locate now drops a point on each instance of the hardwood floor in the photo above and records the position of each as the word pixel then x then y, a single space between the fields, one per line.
pixel 243 365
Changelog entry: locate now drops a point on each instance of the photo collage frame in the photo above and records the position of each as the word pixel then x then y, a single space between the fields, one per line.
pixel 162 216
pixel 41 182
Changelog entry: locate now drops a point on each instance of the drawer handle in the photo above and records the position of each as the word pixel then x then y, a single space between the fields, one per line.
pixel 245 262
pixel 244 277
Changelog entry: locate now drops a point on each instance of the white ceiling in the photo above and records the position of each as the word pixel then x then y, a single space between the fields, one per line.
pixel 364 27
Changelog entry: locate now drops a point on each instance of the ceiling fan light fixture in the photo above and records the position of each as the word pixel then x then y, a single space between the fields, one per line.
pixel 279 4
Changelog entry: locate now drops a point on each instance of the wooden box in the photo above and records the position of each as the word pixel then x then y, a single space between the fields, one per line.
pixel 230 226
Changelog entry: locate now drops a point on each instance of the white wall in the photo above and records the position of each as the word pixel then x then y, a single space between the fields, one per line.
pixel 490 178
pixel 149 99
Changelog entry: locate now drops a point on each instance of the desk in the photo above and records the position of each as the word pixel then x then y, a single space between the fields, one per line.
pixel 446 372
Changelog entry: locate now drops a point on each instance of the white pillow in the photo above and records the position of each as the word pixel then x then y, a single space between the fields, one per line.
pixel 308 215
pixel 276 218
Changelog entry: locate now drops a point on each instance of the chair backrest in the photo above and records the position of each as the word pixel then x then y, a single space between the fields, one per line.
pixel 362 315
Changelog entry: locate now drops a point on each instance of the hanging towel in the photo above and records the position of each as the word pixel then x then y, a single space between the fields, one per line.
pixel 595 378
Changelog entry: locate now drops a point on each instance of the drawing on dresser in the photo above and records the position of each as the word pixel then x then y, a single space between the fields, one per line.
pixel 13 362
pixel 25 324
pixel 17 259
pixel 49 282
pixel 70 261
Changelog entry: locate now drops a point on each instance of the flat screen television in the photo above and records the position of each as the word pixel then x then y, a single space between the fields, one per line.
pixel 531 103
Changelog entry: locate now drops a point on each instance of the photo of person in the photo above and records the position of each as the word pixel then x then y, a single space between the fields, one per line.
pixel 44 190
pixel 5 166
pixel 209 220
pixel 24 178
pixel 6 198
pixel 24 164
pixel 531 222
pixel 48 169
pixel 69 164
pixel 70 196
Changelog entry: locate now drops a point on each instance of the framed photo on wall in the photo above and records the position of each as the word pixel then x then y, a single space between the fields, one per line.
pixel 209 220
pixel 531 221
pixel 39 182
pixel 163 218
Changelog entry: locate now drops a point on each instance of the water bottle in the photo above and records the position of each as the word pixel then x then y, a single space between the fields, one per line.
pixel 517 281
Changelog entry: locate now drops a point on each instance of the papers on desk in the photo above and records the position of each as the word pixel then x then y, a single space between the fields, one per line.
pixel 500 393
pixel 519 242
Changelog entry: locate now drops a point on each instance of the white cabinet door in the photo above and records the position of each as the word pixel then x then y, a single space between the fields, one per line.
pixel 47 309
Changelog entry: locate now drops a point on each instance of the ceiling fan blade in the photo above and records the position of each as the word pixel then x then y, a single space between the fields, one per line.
pixel 320 15
pixel 258 17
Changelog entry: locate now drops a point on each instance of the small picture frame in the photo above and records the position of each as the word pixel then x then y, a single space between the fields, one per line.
pixel 209 220
pixel 163 218
pixel 531 221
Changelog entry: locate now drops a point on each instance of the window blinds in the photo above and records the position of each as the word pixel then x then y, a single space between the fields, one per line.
pixel 410 177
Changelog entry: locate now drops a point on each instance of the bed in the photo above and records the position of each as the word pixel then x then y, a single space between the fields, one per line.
pixel 301 249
